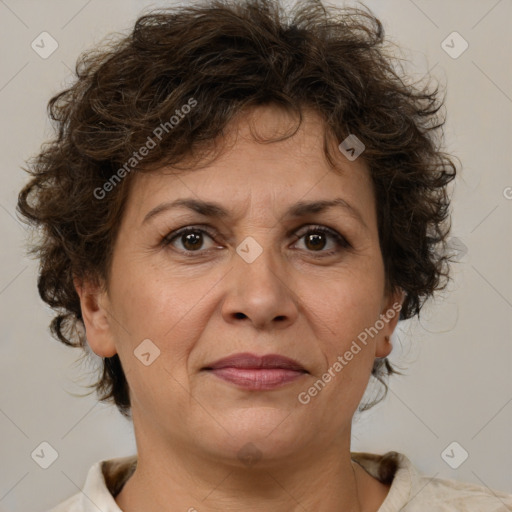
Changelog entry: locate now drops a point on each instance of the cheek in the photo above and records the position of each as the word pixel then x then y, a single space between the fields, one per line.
pixel 343 317
pixel 170 311
pixel 348 348
pixel 172 314
pixel 347 306
pixel 152 301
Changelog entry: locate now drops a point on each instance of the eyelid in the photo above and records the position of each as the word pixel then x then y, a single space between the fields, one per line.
pixel 188 228
pixel 340 240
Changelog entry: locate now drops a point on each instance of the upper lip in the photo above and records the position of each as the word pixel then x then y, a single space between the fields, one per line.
pixel 253 361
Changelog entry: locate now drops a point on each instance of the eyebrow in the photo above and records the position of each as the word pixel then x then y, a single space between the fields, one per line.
pixel 215 210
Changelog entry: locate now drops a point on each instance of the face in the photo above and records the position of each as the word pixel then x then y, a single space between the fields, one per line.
pixel 262 279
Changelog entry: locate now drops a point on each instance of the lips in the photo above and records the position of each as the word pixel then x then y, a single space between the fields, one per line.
pixel 257 373
pixel 254 362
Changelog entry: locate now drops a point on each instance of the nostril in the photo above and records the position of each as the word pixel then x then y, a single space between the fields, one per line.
pixel 240 315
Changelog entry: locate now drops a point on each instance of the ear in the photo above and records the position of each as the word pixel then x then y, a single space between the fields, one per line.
pixel 95 313
pixel 389 315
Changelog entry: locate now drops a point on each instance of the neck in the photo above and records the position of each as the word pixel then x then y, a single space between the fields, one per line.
pixel 168 480
pixel 175 474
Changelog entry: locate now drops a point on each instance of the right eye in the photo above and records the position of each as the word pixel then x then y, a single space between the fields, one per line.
pixel 190 237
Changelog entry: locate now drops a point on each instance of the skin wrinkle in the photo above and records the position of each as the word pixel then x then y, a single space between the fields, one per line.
pixel 125 96
pixel 122 102
pixel 189 425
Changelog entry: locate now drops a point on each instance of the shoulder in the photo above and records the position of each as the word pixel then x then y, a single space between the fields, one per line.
pixel 104 480
pixel 412 491
pixel 452 495
pixel 70 505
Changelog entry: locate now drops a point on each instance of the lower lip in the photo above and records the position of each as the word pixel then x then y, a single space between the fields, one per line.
pixel 257 379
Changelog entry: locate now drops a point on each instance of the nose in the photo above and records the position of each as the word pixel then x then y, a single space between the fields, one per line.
pixel 260 293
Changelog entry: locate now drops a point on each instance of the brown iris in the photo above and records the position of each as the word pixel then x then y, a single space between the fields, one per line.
pixel 315 241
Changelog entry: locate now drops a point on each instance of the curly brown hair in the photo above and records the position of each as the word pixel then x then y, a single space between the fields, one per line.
pixel 227 56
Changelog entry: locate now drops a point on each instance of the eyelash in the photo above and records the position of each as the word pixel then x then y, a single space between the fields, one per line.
pixel 340 241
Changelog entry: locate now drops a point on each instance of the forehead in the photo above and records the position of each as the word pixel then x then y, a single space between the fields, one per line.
pixel 269 174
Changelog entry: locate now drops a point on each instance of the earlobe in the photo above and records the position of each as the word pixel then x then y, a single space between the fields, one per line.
pixel 389 316
pixel 94 306
pixel 384 346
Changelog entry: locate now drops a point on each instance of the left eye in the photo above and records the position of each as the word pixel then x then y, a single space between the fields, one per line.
pixel 192 239
pixel 314 238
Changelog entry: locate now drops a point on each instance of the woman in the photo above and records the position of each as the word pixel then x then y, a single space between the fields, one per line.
pixel 239 209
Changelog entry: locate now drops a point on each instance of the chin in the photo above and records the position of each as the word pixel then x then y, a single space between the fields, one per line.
pixel 259 434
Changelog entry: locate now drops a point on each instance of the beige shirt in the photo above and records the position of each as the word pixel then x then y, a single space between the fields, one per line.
pixel 410 490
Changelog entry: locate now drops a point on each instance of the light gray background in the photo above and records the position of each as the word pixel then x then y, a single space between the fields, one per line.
pixel 459 357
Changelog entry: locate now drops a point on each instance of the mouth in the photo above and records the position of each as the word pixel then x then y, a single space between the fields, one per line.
pixel 257 373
